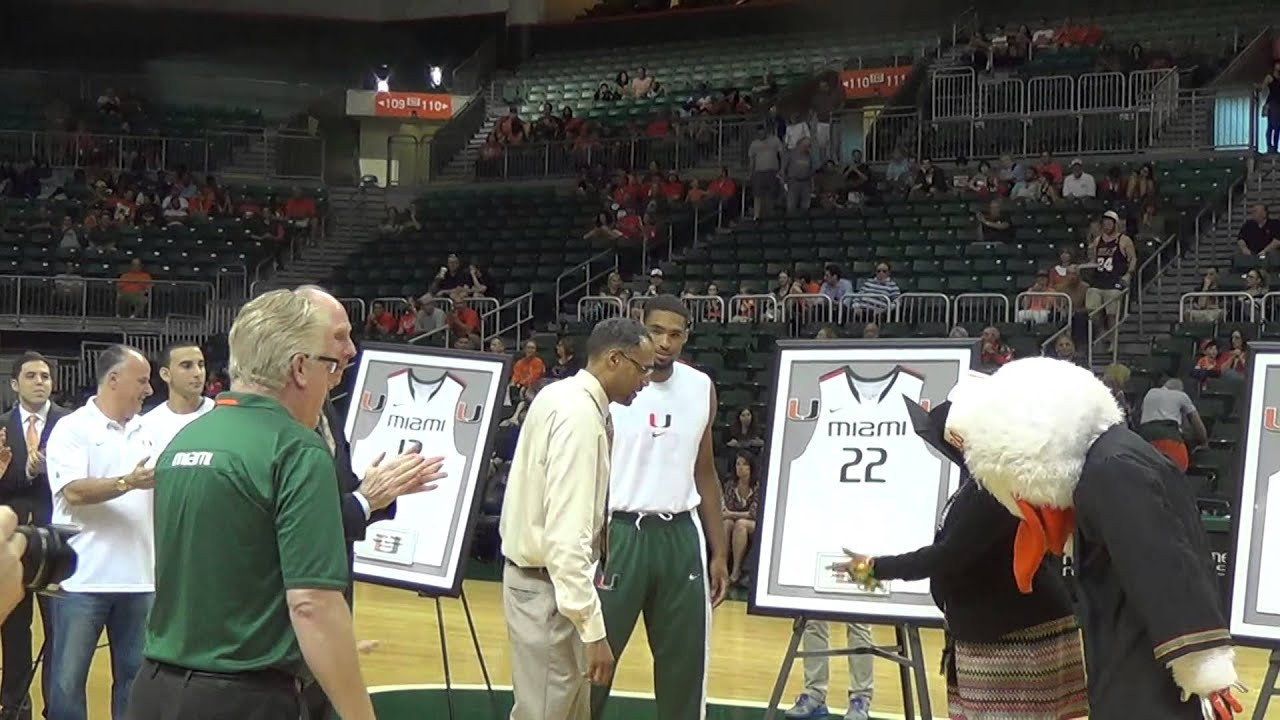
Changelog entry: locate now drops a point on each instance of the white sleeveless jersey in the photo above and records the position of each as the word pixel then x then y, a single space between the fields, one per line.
pixel 1269 552
pixel 162 424
pixel 656 441
pixel 865 481
pixel 418 416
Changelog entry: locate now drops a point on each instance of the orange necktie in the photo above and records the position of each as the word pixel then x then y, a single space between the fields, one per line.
pixel 33 437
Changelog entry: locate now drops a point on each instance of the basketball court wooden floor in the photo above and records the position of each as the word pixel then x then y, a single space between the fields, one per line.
pixel 405 666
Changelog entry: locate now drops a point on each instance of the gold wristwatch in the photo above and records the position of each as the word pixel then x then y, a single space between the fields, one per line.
pixel 122 484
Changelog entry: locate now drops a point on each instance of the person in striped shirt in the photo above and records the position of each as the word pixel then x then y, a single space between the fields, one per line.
pixel 879 284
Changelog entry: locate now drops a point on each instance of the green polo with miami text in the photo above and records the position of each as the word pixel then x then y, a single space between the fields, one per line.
pixel 246 508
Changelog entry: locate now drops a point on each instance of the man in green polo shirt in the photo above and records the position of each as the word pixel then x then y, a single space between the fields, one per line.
pixel 250 560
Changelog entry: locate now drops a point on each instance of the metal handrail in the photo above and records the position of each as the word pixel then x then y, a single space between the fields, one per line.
pixel 1245 298
pixel 1173 241
pixel 807 301
pixel 522 305
pixel 610 258
pixel 587 303
pixel 985 298
pixel 1122 314
pixel 907 302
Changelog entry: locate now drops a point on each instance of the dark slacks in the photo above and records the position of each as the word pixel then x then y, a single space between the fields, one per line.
pixel 164 692
pixel 15 637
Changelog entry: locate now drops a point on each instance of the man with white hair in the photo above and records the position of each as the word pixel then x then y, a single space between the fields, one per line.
pixel 369 496
pixel 97 461
pixel 251 569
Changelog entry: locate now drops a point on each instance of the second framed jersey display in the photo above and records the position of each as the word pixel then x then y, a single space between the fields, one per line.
pixel 846 470
pixel 436 403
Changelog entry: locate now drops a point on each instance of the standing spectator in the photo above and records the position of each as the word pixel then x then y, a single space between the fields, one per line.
pixel 764 160
pixel 797 177
pixel 134 288
pixel 740 508
pixel 1163 410
pixel 1079 184
pixel 1259 234
pixel 817 672
pixel 1115 260
pixel 24 487
pixel 529 369
pixel 183 372
pixel 1271 107
pixel 98 459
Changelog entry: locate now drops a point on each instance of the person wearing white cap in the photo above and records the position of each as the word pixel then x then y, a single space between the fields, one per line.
pixel 1078 183
pixel 1114 260
pixel 655 282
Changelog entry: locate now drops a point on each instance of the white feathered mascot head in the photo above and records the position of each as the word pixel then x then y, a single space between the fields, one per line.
pixel 1024 432
pixel 1025 429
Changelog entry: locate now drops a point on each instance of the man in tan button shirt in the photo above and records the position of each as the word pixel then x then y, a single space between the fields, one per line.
pixel 552 526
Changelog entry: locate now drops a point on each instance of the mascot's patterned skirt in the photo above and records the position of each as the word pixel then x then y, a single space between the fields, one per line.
pixel 1032 674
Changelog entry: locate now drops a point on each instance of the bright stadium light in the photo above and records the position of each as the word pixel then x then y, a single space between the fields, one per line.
pixel 436 76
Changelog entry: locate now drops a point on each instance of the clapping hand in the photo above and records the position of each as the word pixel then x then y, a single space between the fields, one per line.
pixel 405 474
pixel 6 452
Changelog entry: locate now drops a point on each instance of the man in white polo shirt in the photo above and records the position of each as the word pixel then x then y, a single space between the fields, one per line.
pixel 97 459
pixel 182 370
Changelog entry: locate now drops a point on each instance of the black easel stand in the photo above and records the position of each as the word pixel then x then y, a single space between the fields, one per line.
pixel 906 652
pixel 31 678
pixel 444 653
pixel 1268 689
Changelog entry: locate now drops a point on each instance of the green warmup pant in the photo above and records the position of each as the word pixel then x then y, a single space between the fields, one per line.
pixel 656 566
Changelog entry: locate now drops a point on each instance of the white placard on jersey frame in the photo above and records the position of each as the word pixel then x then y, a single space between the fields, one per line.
pixel 449 404
pixel 927 368
pixel 1254 564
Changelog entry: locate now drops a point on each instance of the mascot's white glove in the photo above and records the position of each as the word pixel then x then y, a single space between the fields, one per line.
pixel 1210 675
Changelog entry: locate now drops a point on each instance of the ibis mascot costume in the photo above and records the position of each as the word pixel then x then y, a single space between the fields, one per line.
pixel 1048 440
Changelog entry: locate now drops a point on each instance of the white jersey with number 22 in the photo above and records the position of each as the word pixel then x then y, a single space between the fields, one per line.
pixel 865 481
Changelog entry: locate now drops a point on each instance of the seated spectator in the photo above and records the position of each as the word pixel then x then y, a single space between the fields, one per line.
pixel 504 445
pixel 605 232
pixel 529 368
pixel 857 178
pixel 985 182
pixel 929 180
pixel 463 320
pixel 1206 367
pixel 835 287
pixel 428 316
pixel 1236 357
pixel 1256 285
pixel 622 84
pixel 134 288
pixel 511 129
pixel 497 346
pixel 696 196
pixel 744 431
pixel 723 186
pixel 1164 409
pixel 604 93
pixel 829 186
pixel 1050 169
pixel 1116 376
pixel 1033 188
pixel 1036 307
pixel 898 172
pixel 406 323
pixel 655 283
pixel 1079 184
pixel 826 332
pixel 174 208
pixel 566 363
pixel 549 127
pixel 1205 308
pixel 1111 190
pixel 478 281
pixel 1260 234
pixel 1141 185
pixel 492 148
pixel 994 351
pixel 740 508
pixel 1058 274
pixel 1065 349
pixel 642 83
pixel 70 239
pixel 993 224
pixel 214 200
pixel 571 126
pixel 958 332
pixel 451 276
pixel 880 284
pixel 300 211
pixel 871 331
pixel 672 190
pixel 381 322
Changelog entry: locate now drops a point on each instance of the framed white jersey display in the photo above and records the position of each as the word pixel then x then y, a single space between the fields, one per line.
pixel 846 469
pixel 1254 566
pixel 434 402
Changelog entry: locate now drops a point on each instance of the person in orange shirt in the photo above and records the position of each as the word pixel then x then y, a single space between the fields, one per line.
pixel 133 288
pixel 529 369
pixel 300 211
pixel 463 320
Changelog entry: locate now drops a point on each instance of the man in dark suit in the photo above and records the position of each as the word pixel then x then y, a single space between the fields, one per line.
pixel 371 498
pixel 24 486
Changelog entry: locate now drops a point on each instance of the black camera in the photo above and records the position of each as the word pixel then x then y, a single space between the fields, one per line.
pixel 49 558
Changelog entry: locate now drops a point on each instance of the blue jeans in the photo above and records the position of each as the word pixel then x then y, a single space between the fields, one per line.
pixel 78 621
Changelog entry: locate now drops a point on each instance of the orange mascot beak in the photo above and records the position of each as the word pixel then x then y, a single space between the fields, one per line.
pixel 1042 530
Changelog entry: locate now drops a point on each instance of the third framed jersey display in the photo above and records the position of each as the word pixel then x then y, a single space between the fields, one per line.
pixel 846 470
pixel 1255 550
pixel 434 403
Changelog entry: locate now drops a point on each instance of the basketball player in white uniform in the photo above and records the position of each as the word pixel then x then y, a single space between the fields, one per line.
pixel 418 416
pixel 182 370
pixel 662 473
pixel 862 464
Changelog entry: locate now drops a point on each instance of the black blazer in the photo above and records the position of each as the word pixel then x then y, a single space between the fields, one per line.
pixel 970 569
pixel 353 520
pixel 29 498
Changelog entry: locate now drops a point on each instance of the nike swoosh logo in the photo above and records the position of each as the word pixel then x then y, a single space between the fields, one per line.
pixel 657 434
pixel 831 410
pixel 694 576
